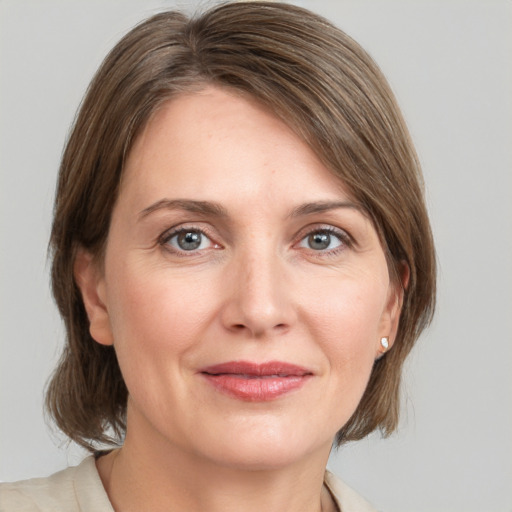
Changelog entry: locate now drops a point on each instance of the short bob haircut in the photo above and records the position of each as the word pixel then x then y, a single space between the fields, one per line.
pixel 308 73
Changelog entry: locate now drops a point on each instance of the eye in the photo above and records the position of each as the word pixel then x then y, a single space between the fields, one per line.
pixel 324 240
pixel 187 240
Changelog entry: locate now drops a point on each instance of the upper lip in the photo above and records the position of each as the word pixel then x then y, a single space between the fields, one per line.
pixel 270 368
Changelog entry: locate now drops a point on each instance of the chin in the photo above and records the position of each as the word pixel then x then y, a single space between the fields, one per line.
pixel 258 459
pixel 257 450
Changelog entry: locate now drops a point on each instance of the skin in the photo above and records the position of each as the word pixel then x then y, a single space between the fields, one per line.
pixel 255 290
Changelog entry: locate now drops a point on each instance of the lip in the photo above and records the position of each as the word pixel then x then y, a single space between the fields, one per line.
pixel 256 382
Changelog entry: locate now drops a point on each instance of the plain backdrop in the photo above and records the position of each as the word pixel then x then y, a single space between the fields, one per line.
pixel 449 63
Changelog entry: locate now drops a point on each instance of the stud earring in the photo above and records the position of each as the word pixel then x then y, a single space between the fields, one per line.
pixel 384 342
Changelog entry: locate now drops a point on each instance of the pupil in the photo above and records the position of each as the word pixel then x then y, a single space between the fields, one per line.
pixel 189 241
pixel 319 241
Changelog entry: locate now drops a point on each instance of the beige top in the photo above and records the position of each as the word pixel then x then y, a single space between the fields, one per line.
pixel 79 489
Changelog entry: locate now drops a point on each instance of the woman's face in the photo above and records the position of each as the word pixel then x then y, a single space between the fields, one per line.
pixel 244 291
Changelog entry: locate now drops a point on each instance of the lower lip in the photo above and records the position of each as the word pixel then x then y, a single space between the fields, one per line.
pixel 255 389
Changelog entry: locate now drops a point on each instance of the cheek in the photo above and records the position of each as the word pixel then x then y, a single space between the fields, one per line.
pixel 156 307
pixel 348 312
pixel 345 322
pixel 158 320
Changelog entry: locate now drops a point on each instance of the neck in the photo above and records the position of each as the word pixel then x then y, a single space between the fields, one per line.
pixel 163 477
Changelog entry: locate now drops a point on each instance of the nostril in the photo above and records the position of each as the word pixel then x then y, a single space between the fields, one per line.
pixel 242 327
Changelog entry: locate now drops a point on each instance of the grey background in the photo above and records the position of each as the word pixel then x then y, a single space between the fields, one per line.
pixel 449 64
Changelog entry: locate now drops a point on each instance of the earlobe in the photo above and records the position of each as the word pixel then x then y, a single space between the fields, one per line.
pixel 391 317
pixel 91 283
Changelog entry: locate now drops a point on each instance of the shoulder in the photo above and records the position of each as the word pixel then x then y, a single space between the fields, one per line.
pixel 346 498
pixel 75 489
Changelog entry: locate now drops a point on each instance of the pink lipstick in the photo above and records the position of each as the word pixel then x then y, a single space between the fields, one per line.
pixel 255 382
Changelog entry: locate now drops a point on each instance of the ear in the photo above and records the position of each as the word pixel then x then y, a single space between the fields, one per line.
pixel 391 315
pixel 89 279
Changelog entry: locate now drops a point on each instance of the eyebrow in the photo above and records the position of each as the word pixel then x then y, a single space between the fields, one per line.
pixel 322 206
pixel 202 207
pixel 216 210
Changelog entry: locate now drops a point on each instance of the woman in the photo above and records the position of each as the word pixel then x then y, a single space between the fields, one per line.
pixel 243 260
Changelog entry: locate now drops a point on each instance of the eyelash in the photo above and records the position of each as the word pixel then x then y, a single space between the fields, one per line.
pixel 167 236
pixel 344 238
pixel 346 241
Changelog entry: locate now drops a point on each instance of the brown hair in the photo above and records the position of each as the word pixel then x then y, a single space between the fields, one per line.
pixel 313 76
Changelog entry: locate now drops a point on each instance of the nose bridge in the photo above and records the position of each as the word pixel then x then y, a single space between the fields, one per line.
pixel 260 300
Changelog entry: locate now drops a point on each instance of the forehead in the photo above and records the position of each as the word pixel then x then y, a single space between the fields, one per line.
pixel 204 141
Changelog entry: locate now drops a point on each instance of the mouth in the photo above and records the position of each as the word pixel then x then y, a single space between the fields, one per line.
pixel 255 382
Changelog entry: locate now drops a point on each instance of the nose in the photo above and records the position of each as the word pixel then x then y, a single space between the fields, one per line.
pixel 259 297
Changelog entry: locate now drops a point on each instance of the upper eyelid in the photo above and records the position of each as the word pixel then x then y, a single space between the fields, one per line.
pixel 343 233
pixel 186 226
